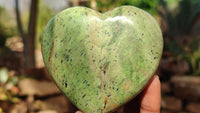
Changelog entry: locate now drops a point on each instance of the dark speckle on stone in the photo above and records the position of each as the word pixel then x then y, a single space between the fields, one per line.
pixel 137 78
pixel 84 54
pixel 85 81
pixel 81 53
pixel 70 18
pixel 69 38
pixel 67 57
pixel 83 95
pixel 152 51
pixel 65 84
pixel 55 55
pixel 131 72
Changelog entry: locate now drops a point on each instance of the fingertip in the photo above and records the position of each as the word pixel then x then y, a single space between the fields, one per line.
pixel 157 77
pixel 157 81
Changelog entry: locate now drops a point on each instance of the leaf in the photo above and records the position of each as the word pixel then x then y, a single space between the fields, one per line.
pixel 3 75
pixel 1 110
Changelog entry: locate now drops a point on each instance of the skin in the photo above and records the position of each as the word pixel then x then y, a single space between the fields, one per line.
pixel 150 99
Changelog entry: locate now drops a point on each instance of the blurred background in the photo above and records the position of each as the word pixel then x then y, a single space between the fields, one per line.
pixel 25 83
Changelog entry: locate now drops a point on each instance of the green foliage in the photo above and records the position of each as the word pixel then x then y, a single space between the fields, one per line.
pixel 44 15
pixel 179 15
pixel 7 29
pixel 8 86
pixel 193 57
pixel 173 48
pixel 147 5
pixel 3 75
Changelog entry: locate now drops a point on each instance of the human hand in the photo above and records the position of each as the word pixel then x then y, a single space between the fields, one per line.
pixel 149 99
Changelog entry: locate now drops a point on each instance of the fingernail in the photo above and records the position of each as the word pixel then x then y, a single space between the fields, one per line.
pixel 157 77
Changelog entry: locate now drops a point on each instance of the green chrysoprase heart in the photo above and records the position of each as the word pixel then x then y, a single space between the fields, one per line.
pixel 101 61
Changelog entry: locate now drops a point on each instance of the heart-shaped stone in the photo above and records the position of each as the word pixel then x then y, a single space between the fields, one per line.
pixel 101 61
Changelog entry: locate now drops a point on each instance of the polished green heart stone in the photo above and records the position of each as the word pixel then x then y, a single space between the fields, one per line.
pixel 101 61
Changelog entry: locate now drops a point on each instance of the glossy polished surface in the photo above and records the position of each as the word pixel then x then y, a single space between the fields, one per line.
pixel 101 61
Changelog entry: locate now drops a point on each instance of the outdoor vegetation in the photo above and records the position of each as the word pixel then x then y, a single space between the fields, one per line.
pixel 20 54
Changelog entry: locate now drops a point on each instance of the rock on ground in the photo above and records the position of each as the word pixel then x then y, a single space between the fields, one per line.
pixel 19 108
pixel 38 88
pixel 186 87
pixel 171 103
pixel 60 104
pixel 193 107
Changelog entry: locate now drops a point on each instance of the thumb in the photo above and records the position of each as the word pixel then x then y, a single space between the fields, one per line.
pixel 151 97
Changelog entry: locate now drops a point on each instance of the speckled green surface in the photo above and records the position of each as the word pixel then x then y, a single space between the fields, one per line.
pixel 101 61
